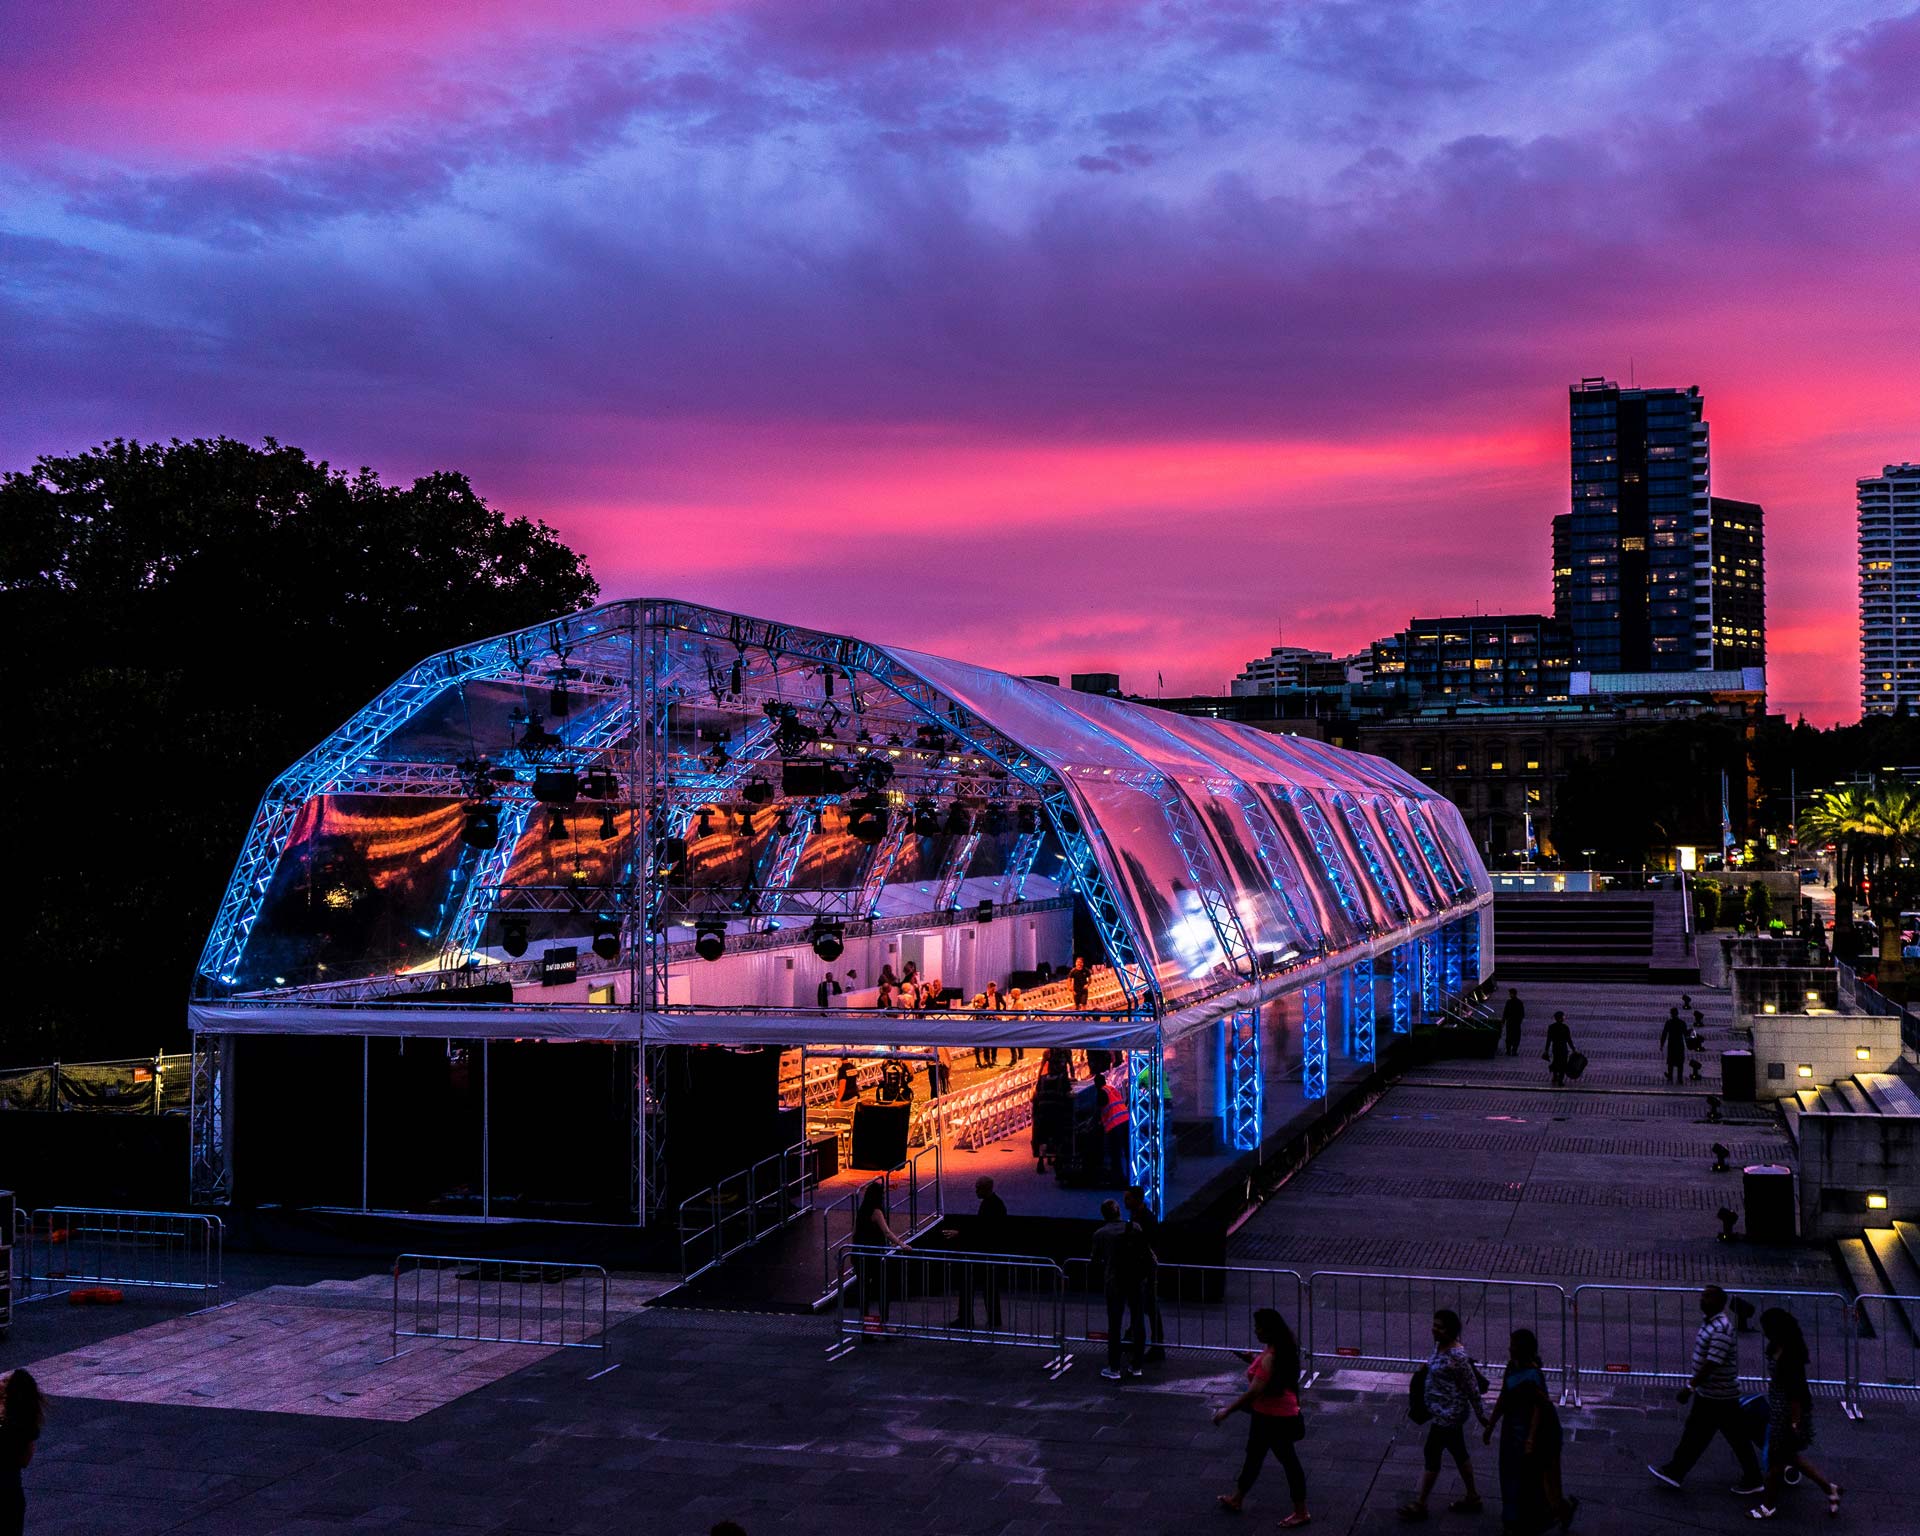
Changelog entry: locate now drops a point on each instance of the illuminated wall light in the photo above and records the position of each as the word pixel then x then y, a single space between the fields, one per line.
pixel 1876 1202
pixel 1768 1008
pixel 1805 1069
pixel 1861 1053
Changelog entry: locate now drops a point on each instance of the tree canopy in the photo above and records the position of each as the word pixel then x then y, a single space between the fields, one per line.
pixel 184 620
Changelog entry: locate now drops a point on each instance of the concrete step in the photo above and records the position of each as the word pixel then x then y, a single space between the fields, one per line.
pixel 1858 1263
pixel 1909 1236
pixel 1899 1270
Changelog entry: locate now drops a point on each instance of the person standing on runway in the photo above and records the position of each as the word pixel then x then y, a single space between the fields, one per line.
pixel 1511 1016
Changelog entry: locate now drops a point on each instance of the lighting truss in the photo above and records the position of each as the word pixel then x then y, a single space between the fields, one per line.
pixel 1406 962
pixel 1363 839
pixel 1146 1121
pixel 209 1167
pixel 1470 929
pixel 1416 871
pixel 792 845
pixel 1026 848
pixel 1453 948
pixel 1245 1090
pixel 1327 851
pixel 886 854
pixel 953 872
pixel 1358 992
pixel 1274 860
pixel 1431 1000
pixel 1313 1039
pixel 1443 870
pixel 1203 869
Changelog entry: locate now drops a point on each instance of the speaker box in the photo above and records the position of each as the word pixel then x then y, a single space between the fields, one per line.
pixel 880 1135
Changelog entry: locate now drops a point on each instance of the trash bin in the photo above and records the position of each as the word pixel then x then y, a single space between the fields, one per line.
pixel 1736 1076
pixel 1770 1204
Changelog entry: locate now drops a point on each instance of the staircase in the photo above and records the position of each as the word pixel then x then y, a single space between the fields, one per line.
pixel 1566 936
pixel 1885 1261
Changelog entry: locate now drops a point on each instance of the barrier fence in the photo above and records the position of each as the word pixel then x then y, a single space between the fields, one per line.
pixel 1375 1321
pixel 1002 1297
pixel 501 1301
pixel 744 1207
pixel 67 1246
pixel 914 1196
pixel 1645 1333
pixel 1592 1335
pixel 1207 1307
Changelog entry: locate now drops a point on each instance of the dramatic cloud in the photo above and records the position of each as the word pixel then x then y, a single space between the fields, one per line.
pixel 1057 335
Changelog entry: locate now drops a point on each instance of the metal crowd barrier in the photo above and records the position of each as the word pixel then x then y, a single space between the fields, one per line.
pixel 993 1298
pixel 70 1245
pixel 1645 1333
pixel 1207 1307
pixel 1886 1348
pixel 744 1207
pixel 1376 1321
pixel 501 1301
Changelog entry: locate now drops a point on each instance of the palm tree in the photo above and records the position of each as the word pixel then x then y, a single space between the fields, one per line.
pixel 1840 817
pixel 1875 835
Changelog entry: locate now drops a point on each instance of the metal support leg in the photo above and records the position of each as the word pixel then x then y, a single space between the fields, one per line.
pixel 210 1145
pixel 1146 1144
pixel 1470 928
pixel 1404 987
pixel 1359 995
pixel 1430 981
pixel 1313 1040
pixel 1244 1089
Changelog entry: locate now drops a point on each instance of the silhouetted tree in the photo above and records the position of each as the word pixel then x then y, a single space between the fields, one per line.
pixel 181 621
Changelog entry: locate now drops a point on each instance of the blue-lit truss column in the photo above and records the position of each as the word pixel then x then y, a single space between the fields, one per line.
pixel 1405 987
pixel 1020 862
pixel 1146 1122
pixel 1246 1094
pixel 1455 951
pixel 1358 993
pixel 787 853
pixel 1430 1000
pixel 1470 949
pixel 1313 1039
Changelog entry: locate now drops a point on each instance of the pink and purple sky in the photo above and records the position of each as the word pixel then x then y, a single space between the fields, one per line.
pixel 1057 336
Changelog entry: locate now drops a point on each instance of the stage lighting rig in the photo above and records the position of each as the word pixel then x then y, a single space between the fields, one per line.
pixel 959 823
pixel 703 824
pixel 1728 1219
pixel 482 829
pixel 993 821
pixel 757 791
pixel 867 818
pixel 608 830
pixel 709 938
pixel 829 940
pixel 513 936
pixel 926 822
pixel 669 857
pixel 1028 820
pixel 556 824
pixel 1720 1156
pixel 606 938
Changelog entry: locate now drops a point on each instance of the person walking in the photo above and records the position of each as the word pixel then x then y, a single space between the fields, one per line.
pixel 1141 1215
pixel 23 1410
pixel 1673 1035
pixel 1559 1048
pixel 1450 1392
pixel 1052 1109
pixel 1116 1126
pixel 987 1235
pixel 1530 1439
pixel 1789 1413
pixel 1081 980
pixel 1116 1249
pixel 1274 1425
pixel 873 1241
pixel 1714 1389
pixel 1511 1016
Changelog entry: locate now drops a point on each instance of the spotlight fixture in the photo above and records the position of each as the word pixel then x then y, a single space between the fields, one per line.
pixel 709 938
pixel 737 679
pixel 1720 1156
pixel 558 701
pixel 783 822
pixel 602 784
pixel 556 824
pixel 959 822
pixel 829 941
pixel 513 936
pixel 993 821
pixel 925 821
pixel 746 820
pixel 1028 819
pixel 704 828
pixel 1713 1109
pixel 556 786
pixel 867 818
pixel 1069 823
pixel 757 792
pixel 606 939
pixel 669 854
pixel 607 828
pixel 482 829
pixel 1727 1219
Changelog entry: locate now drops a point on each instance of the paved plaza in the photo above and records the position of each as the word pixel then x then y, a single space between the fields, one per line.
pixel 1465 1168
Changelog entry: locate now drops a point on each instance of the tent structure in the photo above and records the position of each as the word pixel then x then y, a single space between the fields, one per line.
pixel 656 823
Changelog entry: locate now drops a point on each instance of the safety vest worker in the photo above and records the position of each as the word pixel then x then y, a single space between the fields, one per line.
pixel 1113 1113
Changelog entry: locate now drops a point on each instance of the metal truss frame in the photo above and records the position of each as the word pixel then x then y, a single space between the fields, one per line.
pixel 1430 849
pixel 210 1149
pixel 953 872
pixel 1269 848
pixel 1453 951
pixel 1357 990
pixel 1146 1121
pixel 1431 999
pixel 1313 1039
pixel 1383 882
pixel 1416 871
pixel 886 853
pixel 1470 946
pixel 1327 851
pixel 1020 862
pixel 1246 1092
pixel 1406 989
pixel 787 853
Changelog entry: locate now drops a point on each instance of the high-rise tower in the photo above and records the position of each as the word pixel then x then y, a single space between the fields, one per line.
pixel 1889 511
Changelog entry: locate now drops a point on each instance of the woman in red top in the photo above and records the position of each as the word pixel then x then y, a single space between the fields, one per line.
pixel 1272 1405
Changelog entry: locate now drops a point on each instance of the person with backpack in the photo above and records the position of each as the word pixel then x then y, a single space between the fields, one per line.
pixel 1274 1423
pixel 1441 1395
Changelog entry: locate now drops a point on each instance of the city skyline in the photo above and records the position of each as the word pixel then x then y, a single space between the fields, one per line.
pixel 950 328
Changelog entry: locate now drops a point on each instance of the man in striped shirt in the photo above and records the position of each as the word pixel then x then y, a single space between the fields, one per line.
pixel 1715 1390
